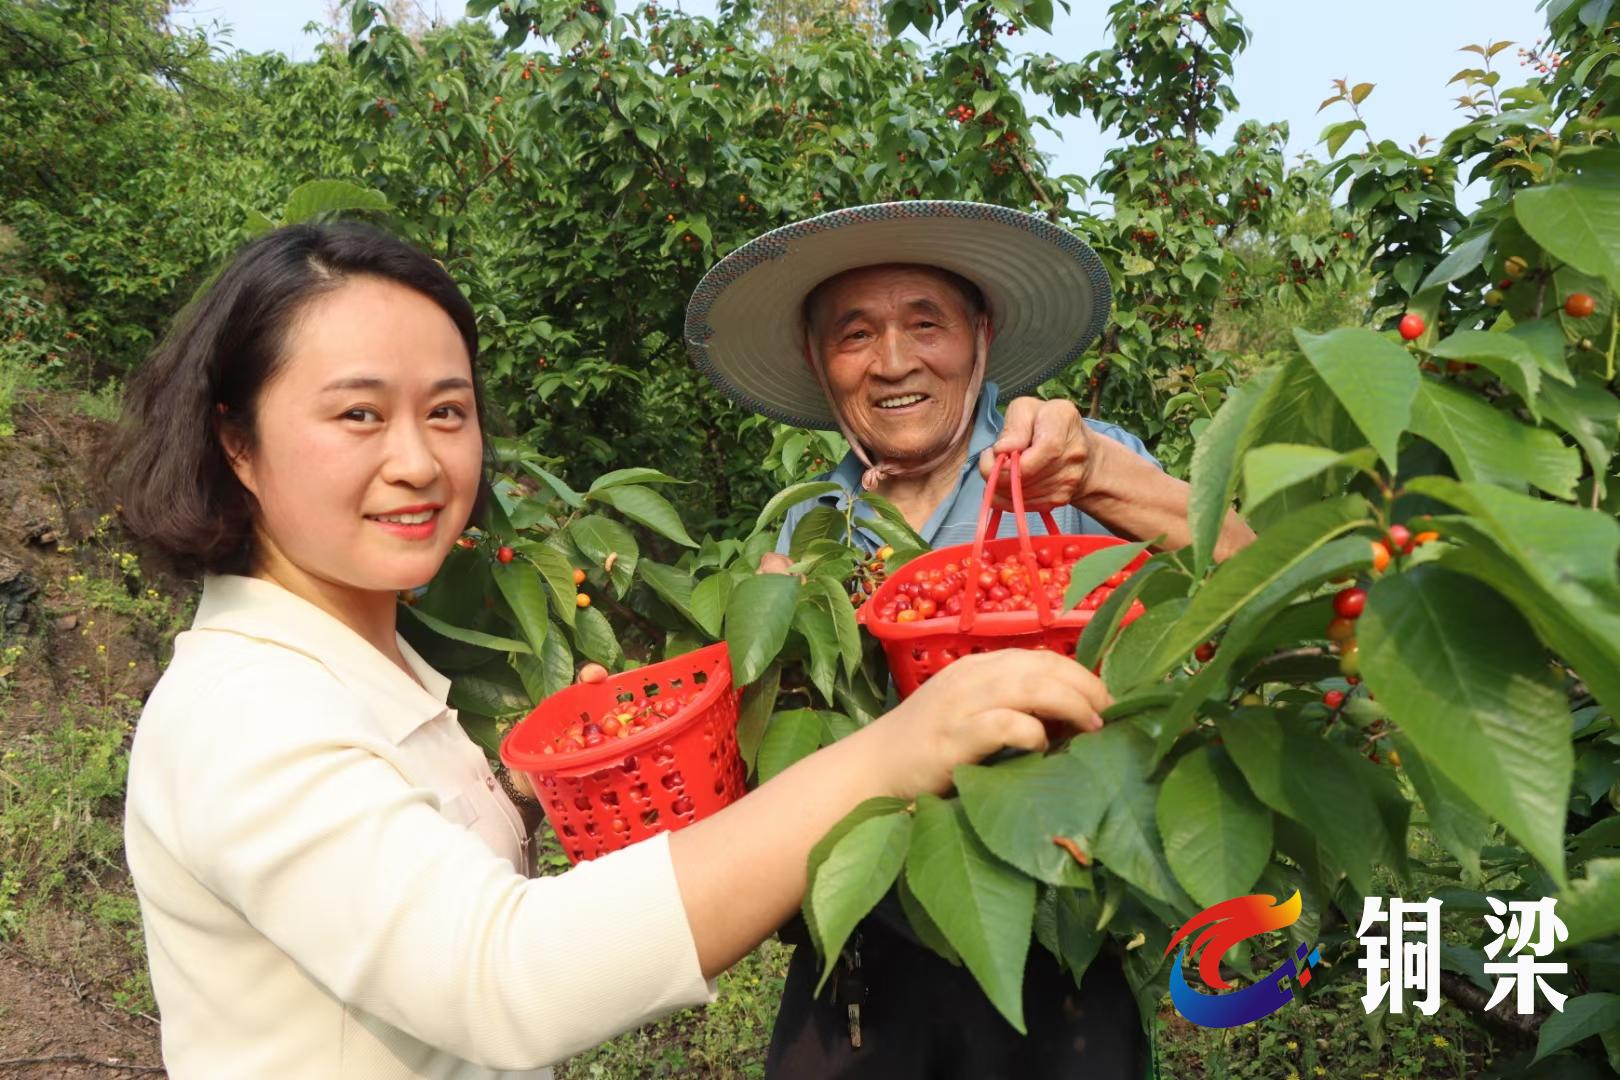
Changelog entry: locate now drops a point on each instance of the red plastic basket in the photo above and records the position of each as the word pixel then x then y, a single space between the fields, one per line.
pixel 607 797
pixel 918 650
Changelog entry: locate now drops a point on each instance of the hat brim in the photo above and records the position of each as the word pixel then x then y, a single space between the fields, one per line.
pixel 1047 291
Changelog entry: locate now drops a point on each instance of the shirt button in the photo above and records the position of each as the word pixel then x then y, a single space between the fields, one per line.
pixel 489 782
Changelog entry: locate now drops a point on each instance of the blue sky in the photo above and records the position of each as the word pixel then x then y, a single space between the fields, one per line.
pixel 1409 48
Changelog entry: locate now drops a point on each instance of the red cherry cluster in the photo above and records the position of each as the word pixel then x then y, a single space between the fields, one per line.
pixel 623 720
pixel 961 113
pixel 941 591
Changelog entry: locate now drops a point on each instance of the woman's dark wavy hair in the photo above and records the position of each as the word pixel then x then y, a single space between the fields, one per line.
pixel 167 463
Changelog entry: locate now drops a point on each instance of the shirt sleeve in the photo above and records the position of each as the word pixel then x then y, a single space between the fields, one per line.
pixel 284 804
pixel 1120 435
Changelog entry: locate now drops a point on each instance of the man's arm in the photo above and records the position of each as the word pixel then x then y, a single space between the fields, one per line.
pixel 1135 500
pixel 1063 460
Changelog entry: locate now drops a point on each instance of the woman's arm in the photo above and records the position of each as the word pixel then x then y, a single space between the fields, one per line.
pixel 742 872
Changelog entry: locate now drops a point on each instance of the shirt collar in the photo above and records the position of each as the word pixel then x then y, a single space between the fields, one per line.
pixel 259 609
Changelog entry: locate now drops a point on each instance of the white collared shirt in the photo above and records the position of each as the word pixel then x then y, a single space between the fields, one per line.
pixel 330 877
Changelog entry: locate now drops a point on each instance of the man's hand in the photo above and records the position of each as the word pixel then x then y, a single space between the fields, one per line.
pixel 1060 455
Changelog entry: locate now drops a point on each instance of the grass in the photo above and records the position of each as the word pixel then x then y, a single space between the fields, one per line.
pixel 62 844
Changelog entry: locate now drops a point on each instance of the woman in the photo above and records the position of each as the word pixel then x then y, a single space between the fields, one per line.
pixel 330 877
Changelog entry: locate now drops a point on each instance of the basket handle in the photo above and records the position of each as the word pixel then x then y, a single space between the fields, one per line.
pixel 989 523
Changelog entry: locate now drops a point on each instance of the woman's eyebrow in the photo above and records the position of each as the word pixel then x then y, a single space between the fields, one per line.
pixel 374 382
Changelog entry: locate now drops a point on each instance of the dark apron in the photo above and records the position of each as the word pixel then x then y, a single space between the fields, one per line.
pixel 922 1018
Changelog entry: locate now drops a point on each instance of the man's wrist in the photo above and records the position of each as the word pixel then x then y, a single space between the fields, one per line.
pixel 1098 487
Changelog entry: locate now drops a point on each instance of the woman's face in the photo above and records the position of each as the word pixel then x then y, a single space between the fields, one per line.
pixel 368 453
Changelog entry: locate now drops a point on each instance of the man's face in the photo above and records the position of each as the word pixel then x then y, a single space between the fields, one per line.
pixel 897 342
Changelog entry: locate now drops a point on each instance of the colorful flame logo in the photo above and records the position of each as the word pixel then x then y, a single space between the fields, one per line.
pixel 1223 926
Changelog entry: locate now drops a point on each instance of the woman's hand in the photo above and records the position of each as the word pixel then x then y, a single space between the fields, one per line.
pixel 981 704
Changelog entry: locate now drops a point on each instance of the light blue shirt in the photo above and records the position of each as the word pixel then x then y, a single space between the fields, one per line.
pixel 957 516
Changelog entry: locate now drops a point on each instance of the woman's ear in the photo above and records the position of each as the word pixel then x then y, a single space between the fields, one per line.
pixel 232 441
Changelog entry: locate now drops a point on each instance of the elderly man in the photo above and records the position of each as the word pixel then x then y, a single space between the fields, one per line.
pixel 900 324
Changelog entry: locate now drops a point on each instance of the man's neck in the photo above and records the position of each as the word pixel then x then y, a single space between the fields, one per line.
pixel 917 497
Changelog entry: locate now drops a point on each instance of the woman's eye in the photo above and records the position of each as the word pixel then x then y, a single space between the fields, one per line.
pixel 362 414
pixel 448 412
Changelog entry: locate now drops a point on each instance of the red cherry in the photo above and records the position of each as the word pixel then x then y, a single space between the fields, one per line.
pixel 1400 537
pixel 1333 698
pixel 503 555
pixel 1349 603
pixel 1205 652
pixel 1412 326
pixel 1579 305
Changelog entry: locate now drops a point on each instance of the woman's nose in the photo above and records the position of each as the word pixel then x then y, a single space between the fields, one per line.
pixel 410 457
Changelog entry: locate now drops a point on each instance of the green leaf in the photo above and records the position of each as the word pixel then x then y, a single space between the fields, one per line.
pixel 790 736
pixel 1589 413
pixel 557 662
pixel 644 505
pixel 815 625
pixel 1276 467
pixel 923 925
pixel 792 496
pixel 329 197
pixel 754 713
pixel 758 615
pixel 558 574
pixel 1120 759
pixel 821 523
pixel 1327 788
pixel 1018 806
pixel 1099 635
pixel 1335 135
pixel 519 583
pixel 890 513
pixel 532 674
pixel 485 696
pixel 1490 446
pixel 1215 460
pixel 847 632
pixel 596 639
pixel 673 586
pixel 1250 572
pixel 638 475
pixel 1509 358
pixel 597 537
pixel 1466 255
pixel 854 876
pixel 1582 1017
pixel 256 224
pixel 1217 835
pixel 567 494
pixel 1097 568
pixel 470 637
pixel 1459 670
pixel 709 599
pixel 984 907
pixel 1577 221
pixel 1590 907
pixel 1457 824
pixel 1130 664
pixel 1375 379
pixel 1066 924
